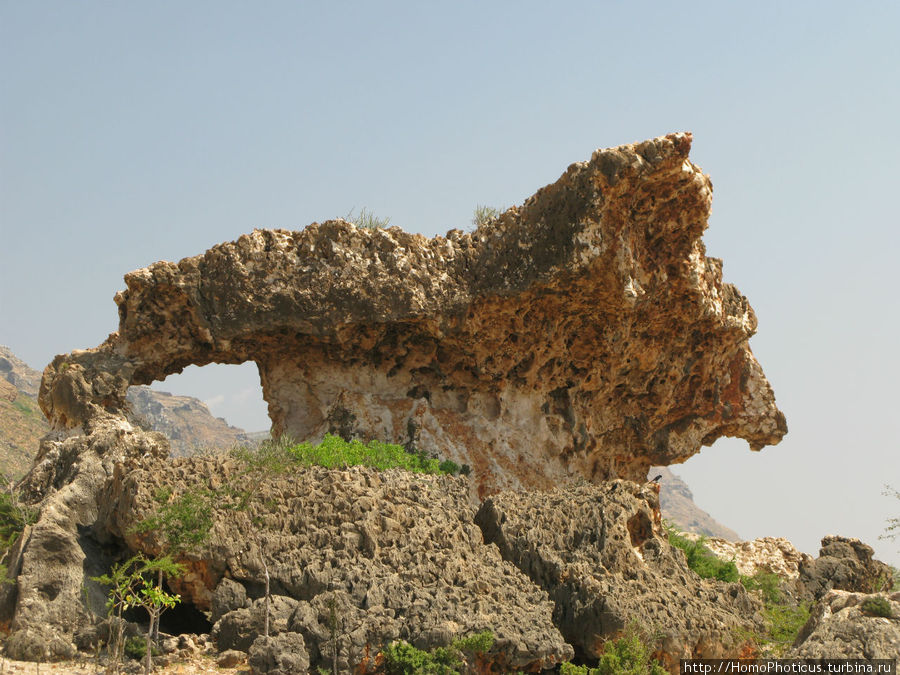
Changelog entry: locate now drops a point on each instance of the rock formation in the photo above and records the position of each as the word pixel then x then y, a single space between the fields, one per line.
pixel 840 627
pixel 775 555
pixel 584 332
pixel 186 421
pixel 397 553
pixel 845 564
pixel 602 556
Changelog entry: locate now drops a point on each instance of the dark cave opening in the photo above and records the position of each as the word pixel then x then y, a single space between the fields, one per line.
pixel 182 618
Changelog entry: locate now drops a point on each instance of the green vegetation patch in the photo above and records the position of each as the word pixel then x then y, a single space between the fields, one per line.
pixel 700 559
pixel 334 452
pixel 630 654
pixel 27 406
pixel 401 658
pixel 877 606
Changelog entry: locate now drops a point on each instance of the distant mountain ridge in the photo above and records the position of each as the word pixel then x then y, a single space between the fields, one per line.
pixel 186 421
pixel 676 502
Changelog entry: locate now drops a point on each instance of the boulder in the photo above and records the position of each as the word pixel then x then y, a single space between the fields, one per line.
pixel 228 596
pixel 843 564
pixel 283 654
pixel 239 628
pixel 840 627
pixel 602 555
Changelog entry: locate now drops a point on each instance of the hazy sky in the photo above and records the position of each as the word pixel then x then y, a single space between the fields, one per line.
pixel 138 131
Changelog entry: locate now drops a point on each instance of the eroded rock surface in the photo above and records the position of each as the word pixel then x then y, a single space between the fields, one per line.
pixel 394 555
pixel 840 627
pixel 601 554
pixel 845 564
pixel 584 332
pixel 775 555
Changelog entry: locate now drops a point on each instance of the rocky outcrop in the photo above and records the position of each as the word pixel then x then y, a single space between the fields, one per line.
pixel 389 555
pixel 841 627
pixel 676 501
pixel 775 555
pixel 602 556
pixel 55 557
pixel 844 564
pixel 185 421
pixel 582 333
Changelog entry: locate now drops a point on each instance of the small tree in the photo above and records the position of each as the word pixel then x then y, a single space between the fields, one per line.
pixel 131 585
pixel 184 523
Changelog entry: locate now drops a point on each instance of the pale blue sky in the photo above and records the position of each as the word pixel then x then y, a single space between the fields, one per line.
pixel 136 131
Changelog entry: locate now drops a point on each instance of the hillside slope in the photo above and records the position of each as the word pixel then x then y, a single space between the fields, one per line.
pixel 677 504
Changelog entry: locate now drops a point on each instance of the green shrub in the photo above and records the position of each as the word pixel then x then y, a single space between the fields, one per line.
pixel 877 606
pixel 136 648
pixel 700 559
pixel 14 517
pixel 478 643
pixel 185 522
pixel 630 654
pixel 785 622
pixel 270 456
pixel 766 582
pixel 401 658
pixel 335 452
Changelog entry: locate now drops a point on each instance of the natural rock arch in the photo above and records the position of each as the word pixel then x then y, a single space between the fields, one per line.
pixel 582 333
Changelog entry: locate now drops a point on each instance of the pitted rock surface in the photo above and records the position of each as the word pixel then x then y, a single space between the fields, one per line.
pixel 775 555
pixel 845 564
pixel 584 332
pixel 601 554
pixel 398 555
pixel 838 627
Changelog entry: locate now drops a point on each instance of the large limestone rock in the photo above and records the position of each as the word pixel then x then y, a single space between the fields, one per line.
pixel 582 333
pixel 395 554
pixel 603 557
pixel 840 627
pixel 774 555
pixel 845 564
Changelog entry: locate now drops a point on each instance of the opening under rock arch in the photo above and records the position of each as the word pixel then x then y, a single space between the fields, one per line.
pixel 211 407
